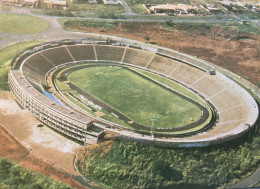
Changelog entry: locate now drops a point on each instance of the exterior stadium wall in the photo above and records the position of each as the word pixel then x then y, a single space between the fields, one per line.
pixel 73 126
pixel 63 124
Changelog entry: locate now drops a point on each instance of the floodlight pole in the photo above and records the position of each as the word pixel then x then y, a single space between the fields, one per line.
pixel 256 87
pixel 153 118
pixel 123 39
pixel 85 142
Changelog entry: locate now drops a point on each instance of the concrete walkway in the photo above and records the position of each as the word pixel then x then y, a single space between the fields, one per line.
pixel 249 182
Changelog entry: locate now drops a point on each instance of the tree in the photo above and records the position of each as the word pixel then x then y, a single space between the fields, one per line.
pixel 147 38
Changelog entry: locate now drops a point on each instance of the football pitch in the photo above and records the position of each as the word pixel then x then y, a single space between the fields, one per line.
pixel 136 97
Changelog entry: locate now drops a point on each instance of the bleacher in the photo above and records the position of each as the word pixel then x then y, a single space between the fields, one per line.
pixel 39 62
pixel 226 99
pixel 138 57
pixel 187 74
pixel 34 75
pixel 82 52
pixel 209 85
pixel 163 65
pixel 57 56
pixel 112 53
pixel 235 113
pixel 228 126
pixel 187 59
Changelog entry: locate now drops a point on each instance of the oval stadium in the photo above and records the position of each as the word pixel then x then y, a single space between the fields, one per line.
pixel 84 88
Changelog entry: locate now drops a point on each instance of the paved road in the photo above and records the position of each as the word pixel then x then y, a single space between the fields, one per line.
pixel 128 11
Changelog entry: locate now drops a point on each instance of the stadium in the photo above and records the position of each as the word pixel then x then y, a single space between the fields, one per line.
pixel 212 107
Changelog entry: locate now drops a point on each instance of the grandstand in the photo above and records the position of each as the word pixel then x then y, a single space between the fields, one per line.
pixel 109 53
pixel 236 109
pixel 163 65
pixel 137 57
pixel 187 59
pixel 205 85
pixel 57 55
pixel 182 74
pixel 82 52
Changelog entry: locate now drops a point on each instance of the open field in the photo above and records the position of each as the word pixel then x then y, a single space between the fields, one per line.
pixel 14 23
pixel 135 96
pixel 6 54
pixel 4 8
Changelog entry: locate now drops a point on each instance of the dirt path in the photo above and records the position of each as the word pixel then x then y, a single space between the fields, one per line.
pixel 215 45
pixel 39 149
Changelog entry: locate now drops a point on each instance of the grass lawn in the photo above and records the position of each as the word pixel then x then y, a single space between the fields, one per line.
pixel 134 96
pixel 138 8
pixel 6 55
pixel 4 8
pixel 21 24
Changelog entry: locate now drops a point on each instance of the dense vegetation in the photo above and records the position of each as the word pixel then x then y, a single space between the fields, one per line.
pixel 6 55
pixel 132 165
pixel 96 24
pixel 206 28
pixel 14 176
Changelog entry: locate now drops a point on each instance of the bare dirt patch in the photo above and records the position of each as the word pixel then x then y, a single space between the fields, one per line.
pixel 39 148
pixel 237 52
pixel 13 150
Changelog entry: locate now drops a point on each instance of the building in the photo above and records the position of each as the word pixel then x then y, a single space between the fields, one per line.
pixel 189 9
pixel 92 1
pixel 30 3
pixel 110 2
pixel 56 5
pixel 166 9
pixel 162 9
pixel 213 9
pixel 9 2
pixel 59 5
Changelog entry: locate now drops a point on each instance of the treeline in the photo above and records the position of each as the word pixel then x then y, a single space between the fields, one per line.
pixel 96 24
pixel 14 176
pixel 133 165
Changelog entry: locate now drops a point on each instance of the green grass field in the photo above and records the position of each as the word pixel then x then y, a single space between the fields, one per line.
pixel 134 96
pixel 5 8
pixel 20 24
